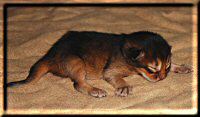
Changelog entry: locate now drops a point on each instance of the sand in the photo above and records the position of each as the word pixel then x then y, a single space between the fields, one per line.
pixel 32 31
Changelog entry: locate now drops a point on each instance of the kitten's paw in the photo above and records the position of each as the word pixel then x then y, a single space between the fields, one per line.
pixel 98 93
pixel 124 91
pixel 183 69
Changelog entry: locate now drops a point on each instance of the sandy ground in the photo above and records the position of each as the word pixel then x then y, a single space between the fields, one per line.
pixel 32 31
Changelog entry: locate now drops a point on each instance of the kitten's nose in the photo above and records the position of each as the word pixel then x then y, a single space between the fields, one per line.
pixel 161 76
pixel 157 76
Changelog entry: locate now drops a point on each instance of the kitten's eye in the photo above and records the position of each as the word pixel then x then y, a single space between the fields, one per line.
pixel 168 64
pixel 152 69
pixel 168 68
pixel 133 59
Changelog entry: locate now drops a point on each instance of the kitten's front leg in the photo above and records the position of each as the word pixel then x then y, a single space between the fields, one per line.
pixel 180 68
pixel 121 87
pixel 114 76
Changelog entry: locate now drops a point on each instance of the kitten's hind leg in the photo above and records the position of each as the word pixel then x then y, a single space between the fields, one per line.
pixel 180 69
pixel 76 70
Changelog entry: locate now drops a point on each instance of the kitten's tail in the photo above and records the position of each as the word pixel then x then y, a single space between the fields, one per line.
pixel 36 72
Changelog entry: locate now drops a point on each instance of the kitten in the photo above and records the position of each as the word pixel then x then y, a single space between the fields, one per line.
pixel 93 55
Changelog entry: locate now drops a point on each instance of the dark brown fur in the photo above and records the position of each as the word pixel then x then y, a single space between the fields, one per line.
pixel 93 55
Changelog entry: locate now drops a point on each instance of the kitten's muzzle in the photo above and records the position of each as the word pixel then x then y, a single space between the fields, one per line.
pixel 160 76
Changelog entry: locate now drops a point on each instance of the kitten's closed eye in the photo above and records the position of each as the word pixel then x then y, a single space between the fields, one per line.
pixel 168 64
pixel 152 69
pixel 155 66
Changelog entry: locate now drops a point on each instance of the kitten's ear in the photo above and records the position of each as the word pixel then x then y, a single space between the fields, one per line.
pixel 135 53
pixel 141 55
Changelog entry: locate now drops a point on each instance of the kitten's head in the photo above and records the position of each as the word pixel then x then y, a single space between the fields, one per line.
pixel 149 53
